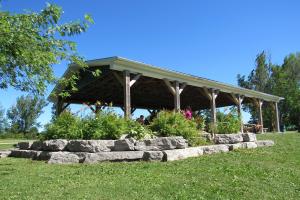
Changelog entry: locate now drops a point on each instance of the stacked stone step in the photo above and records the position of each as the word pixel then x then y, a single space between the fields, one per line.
pixel 157 149
pixel 92 151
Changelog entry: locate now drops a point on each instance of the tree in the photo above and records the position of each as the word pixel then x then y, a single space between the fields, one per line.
pixel 260 80
pixel 31 43
pixel 23 116
pixel 286 83
pixel 3 120
pixel 278 80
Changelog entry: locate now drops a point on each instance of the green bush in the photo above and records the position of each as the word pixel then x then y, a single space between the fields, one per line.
pixel 138 131
pixel 228 123
pixel 105 125
pixel 65 126
pixel 200 121
pixel 174 124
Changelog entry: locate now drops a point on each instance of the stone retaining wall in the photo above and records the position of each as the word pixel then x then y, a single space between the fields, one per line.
pixel 93 146
pixel 157 149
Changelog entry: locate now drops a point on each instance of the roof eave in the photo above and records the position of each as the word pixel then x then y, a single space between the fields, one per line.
pixel 120 64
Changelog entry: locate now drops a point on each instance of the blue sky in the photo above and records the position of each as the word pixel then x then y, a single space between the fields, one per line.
pixel 211 39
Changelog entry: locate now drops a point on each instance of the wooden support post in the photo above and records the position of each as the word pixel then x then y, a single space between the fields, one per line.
pixel 59 106
pixel 277 125
pixel 127 100
pixel 176 90
pixel 97 108
pixel 214 95
pixel 177 96
pixel 260 119
pixel 241 99
pixel 211 95
pixel 127 83
pixel 238 99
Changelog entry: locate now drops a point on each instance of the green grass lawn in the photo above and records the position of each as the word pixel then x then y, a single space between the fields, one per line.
pixel 265 173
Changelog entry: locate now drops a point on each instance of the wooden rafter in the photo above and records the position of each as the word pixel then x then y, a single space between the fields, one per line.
pixel 119 78
pixel 80 87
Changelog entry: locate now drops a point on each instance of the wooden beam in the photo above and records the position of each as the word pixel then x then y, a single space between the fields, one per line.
pixel 277 125
pixel 135 79
pixel 132 110
pixel 204 91
pixel 169 86
pixel 176 90
pixel 182 87
pixel 150 111
pixel 65 106
pixel 177 96
pixel 127 100
pixel 80 87
pixel 119 78
pixel 90 106
pixel 234 98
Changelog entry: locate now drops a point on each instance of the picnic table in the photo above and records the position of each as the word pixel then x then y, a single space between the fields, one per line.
pixel 255 128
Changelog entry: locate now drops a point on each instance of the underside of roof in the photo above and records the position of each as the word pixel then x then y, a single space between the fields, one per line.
pixel 150 90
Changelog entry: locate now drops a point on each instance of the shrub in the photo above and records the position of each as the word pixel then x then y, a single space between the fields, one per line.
pixel 228 123
pixel 174 124
pixel 200 121
pixel 137 131
pixel 65 126
pixel 105 125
